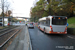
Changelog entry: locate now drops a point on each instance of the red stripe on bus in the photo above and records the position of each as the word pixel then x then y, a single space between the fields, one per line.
pixel 57 32
pixel 41 29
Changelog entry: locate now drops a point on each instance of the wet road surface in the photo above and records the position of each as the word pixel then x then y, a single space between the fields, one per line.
pixel 41 41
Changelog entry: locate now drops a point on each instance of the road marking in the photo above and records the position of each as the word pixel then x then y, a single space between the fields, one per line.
pixel 71 37
pixel 65 47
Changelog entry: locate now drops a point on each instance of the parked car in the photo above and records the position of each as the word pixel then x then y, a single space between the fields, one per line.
pixel 30 25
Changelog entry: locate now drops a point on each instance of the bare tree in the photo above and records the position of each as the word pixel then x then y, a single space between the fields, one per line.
pixel 4 4
pixel 2 1
pixel 7 6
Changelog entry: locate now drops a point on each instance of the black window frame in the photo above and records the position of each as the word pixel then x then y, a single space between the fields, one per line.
pixel 60 21
pixel 47 21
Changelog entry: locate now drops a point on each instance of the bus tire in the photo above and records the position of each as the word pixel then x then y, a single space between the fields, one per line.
pixel 44 30
pixel 39 27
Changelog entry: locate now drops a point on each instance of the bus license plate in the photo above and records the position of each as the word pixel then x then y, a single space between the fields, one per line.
pixel 58 32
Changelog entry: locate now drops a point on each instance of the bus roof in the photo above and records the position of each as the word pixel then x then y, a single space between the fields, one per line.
pixel 44 18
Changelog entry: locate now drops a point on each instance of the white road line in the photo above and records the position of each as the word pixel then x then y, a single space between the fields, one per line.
pixel 70 37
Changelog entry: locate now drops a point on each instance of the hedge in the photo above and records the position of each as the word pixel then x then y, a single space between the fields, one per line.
pixel 71 30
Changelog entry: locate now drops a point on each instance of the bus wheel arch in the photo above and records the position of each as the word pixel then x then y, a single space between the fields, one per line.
pixel 39 27
pixel 44 30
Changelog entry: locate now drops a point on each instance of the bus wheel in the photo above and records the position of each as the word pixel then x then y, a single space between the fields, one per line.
pixel 39 27
pixel 44 30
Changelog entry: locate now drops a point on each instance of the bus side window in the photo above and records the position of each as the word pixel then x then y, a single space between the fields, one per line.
pixel 47 22
pixel 44 22
pixel 40 23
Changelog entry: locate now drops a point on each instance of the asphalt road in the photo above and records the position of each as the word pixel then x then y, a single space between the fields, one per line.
pixel 41 41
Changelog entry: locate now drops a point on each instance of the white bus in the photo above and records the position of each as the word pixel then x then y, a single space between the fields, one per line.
pixel 53 24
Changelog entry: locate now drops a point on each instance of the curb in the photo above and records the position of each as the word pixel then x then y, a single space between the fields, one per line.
pixel 30 45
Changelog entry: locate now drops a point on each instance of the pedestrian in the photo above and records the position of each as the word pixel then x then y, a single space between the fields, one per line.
pixel 8 24
pixel 67 24
pixel 26 24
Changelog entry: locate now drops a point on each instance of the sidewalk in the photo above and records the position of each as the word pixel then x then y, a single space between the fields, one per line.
pixel 22 41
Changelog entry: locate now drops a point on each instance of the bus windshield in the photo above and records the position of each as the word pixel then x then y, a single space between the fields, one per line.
pixel 59 21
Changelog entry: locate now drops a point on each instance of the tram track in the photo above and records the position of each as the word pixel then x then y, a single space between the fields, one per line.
pixel 6 29
pixel 7 35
